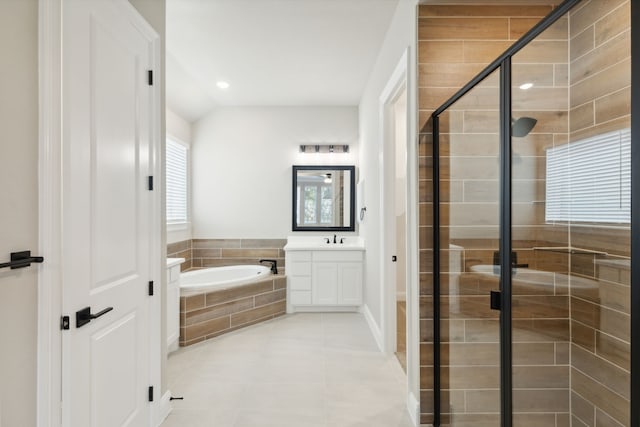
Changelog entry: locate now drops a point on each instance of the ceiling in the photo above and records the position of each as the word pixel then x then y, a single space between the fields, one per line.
pixel 271 52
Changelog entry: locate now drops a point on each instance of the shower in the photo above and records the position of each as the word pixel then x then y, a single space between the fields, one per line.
pixel 522 126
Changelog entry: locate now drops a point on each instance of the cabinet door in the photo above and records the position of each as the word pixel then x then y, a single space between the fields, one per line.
pixel 350 283
pixel 325 283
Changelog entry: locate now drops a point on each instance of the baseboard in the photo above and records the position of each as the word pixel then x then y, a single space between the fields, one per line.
pixel 375 330
pixel 413 406
pixel 163 409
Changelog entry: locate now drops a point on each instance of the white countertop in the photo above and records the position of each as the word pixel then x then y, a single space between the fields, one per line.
pixel 174 261
pixel 317 243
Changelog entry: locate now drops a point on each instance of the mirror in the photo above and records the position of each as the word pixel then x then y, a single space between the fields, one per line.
pixel 323 198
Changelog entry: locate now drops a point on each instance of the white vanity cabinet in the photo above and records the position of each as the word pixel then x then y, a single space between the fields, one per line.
pixel 173 302
pixel 324 280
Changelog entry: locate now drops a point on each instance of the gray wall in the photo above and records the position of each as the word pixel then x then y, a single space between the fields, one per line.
pixel 18 209
pixel 19 206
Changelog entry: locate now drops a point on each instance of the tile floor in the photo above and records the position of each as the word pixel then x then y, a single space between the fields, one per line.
pixel 302 370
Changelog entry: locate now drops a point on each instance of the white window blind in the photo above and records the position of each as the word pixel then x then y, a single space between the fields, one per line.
pixel 177 164
pixel 590 180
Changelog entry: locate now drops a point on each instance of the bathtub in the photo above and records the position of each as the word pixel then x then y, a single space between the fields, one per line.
pixel 218 278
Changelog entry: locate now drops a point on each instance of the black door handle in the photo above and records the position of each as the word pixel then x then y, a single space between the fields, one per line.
pixel 84 316
pixel 394 258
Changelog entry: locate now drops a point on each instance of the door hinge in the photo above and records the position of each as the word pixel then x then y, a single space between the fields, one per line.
pixel 150 182
pixel 151 288
pixel 150 77
pixel 64 323
pixel 150 393
pixel 496 300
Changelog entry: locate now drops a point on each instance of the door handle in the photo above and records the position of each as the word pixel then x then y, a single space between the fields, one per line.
pixel 84 316
pixel 394 258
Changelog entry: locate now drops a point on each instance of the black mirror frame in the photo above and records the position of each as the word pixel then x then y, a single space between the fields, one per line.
pixel 352 201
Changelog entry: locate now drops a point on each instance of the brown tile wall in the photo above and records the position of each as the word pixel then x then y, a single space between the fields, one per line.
pixel 222 252
pixel 208 315
pixel 181 250
pixel 600 99
pixel 202 253
pixel 448 59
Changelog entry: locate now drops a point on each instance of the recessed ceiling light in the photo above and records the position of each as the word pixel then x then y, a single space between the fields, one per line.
pixel 223 85
pixel 526 86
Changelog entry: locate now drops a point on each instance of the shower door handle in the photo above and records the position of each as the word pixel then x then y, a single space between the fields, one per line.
pixel 495 300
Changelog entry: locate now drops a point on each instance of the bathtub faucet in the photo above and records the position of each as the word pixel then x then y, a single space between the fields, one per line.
pixel 274 264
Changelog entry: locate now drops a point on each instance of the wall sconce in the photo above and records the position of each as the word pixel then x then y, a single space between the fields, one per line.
pixel 325 148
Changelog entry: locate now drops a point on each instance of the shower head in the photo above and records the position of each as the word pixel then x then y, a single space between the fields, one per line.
pixel 522 126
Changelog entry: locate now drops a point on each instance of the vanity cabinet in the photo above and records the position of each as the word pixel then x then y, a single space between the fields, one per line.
pixel 173 302
pixel 324 280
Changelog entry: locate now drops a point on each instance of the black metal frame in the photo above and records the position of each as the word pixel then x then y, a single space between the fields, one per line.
pixel 635 218
pixel 352 201
pixel 503 62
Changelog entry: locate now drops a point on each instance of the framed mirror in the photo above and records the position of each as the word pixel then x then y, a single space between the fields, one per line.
pixel 323 198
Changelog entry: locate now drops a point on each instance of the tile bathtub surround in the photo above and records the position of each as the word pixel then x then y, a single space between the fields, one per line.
pixel 208 315
pixel 181 250
pixel 222 252
pixel 202 253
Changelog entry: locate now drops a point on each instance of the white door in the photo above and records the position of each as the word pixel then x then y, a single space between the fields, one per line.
pixel 108 148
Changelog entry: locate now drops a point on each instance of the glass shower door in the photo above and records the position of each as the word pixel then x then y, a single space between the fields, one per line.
pixel 469 237
pixel 571 181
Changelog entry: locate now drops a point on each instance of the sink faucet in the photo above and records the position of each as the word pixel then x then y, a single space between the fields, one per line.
pixel 342 240
pixel 274 264
pixel 328 240
pixel 335 239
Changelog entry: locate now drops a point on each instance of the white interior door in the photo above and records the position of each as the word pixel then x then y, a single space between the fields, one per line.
pixel 108 149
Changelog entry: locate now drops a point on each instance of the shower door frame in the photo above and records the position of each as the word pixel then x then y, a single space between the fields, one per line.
pixel 503 63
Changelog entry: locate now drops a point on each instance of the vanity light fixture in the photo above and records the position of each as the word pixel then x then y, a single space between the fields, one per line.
pixel 324 148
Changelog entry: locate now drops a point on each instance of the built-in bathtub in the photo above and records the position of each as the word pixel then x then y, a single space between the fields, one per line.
pixel 217 278
pixel 218 300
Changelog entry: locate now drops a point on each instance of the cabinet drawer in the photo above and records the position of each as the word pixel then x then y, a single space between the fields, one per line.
pixel 298 269
pixel 298 256
pixel 297 283
pixel 300 297
pixel 337 256
pixel 173 273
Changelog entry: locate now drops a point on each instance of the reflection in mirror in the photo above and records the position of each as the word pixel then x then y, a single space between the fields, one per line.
pixel 323 198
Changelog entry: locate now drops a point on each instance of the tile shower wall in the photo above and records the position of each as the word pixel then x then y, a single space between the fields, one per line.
pixel 600 318
pixel 455 43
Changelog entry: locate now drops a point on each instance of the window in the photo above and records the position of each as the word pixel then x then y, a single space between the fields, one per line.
pixel 177 181
pixel 590 180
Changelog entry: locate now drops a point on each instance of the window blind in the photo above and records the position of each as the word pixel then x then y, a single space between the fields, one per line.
pixel 590 180
pixel 176 173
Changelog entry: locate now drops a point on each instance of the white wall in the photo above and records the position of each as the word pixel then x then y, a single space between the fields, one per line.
pixel 179 129
pixel 19 209
pixel 400 37
pixel 242 158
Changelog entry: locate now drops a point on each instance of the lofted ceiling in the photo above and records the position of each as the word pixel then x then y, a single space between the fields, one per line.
pixel 271 52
